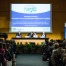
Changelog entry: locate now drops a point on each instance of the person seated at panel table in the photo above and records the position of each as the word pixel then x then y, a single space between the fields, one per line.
pixel 18 35
pixel 42 35
pixel 35 35
pixel 30 35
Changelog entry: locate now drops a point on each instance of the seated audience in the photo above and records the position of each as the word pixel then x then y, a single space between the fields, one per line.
pixel 2 54
pixel 64 57
pixel 56 46
pixel 57 56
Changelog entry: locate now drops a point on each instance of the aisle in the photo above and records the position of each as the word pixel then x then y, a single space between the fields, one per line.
pixel 30 60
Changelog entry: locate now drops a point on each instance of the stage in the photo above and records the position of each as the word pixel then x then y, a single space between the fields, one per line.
pixel 24 40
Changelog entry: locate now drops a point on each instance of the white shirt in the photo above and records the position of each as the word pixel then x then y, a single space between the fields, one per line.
pixel 43 36
pixel 35 36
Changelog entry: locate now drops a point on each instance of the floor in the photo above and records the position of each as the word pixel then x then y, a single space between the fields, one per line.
pixel 30 60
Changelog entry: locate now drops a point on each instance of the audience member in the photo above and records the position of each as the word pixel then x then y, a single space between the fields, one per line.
pixel 2 53
pixel 57 56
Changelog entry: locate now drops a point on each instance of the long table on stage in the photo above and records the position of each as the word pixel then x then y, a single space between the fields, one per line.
pixel 24 40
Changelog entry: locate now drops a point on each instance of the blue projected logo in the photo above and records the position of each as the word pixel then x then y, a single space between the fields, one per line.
pixel 30 9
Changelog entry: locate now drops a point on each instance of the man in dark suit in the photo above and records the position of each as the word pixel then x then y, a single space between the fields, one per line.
pixel 18 35
pixel 30 34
